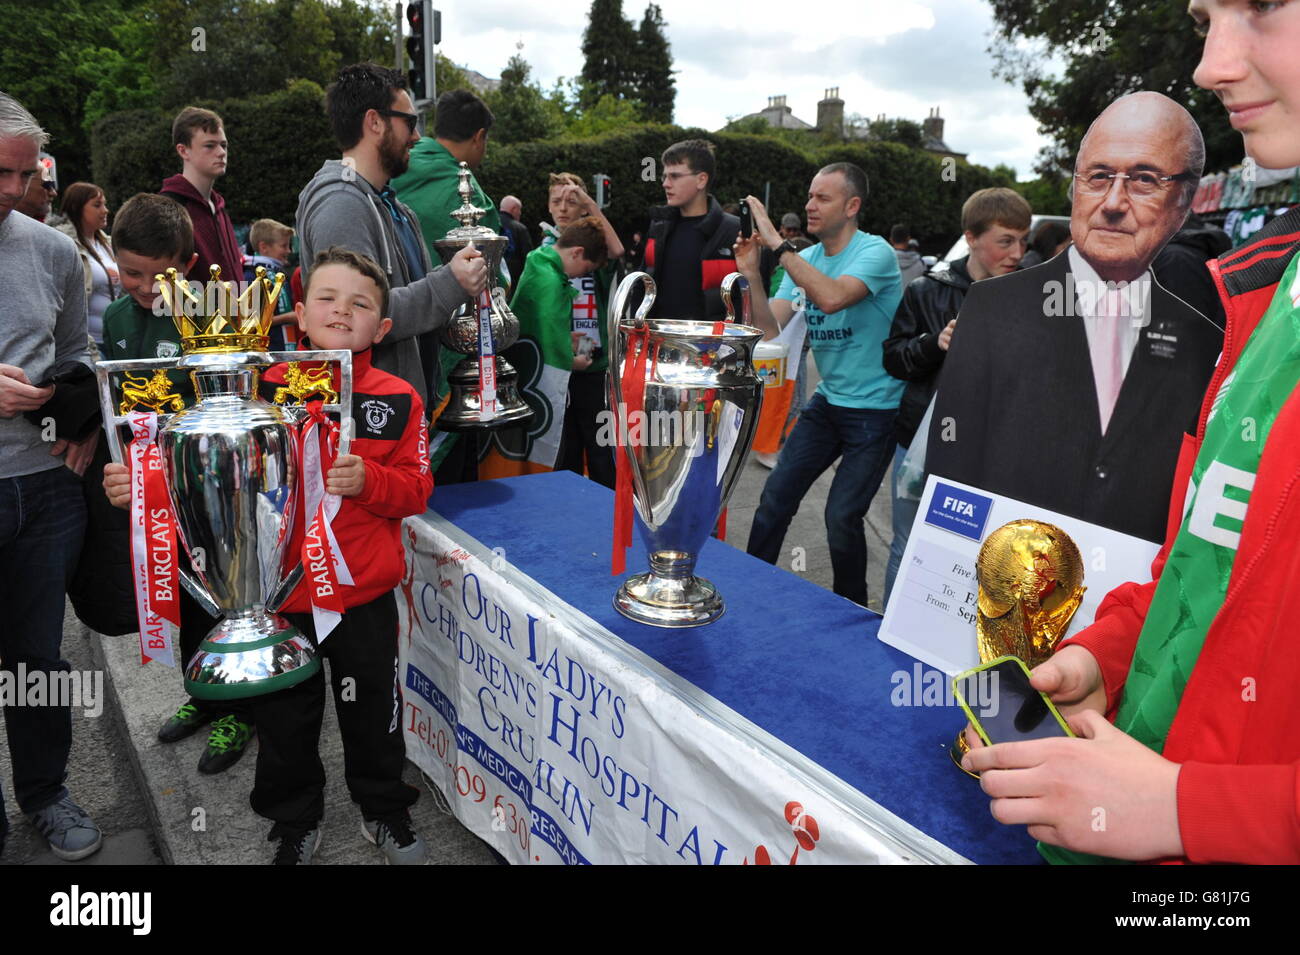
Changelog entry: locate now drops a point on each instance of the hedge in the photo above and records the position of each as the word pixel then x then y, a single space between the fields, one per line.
pixel 279 140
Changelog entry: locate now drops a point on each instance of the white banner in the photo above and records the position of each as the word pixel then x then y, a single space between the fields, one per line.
pixel 556 742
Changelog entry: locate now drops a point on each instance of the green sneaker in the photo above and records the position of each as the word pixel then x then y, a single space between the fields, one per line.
pixel 186 721
pixel 226 743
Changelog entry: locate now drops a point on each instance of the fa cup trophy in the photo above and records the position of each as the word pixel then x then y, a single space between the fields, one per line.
pixel 222 479
pixel 686 401
pixel 1030 578
pixel 484 386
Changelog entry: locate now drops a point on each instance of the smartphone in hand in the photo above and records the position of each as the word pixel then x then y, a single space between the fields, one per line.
pixel 746 219
pixel 1003 706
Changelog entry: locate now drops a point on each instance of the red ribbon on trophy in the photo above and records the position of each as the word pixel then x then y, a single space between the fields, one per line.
pixel 322 560
pixel 487 361
pixel 154 572
pixel 634 365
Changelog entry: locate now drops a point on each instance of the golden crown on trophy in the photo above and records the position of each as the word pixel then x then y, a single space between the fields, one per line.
pixel 221 319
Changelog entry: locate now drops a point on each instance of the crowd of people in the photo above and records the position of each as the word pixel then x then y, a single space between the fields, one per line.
pixel 1128 409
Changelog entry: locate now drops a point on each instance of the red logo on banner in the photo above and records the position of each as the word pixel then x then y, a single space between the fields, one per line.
pixel 806 833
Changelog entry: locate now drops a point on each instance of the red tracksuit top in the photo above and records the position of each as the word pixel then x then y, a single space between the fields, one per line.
pixel 1237 729
pixel 392 438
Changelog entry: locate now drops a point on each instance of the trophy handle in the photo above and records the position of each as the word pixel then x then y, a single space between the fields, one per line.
pixel 347 427
pixel 616 308
pixel 735 286
pixel 111 423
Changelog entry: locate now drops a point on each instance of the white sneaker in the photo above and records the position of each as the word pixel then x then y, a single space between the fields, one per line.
pixel 766 458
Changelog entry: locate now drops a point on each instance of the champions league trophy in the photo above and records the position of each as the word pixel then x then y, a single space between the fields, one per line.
pixel 1030 578
pixel 230 470
pixel 686 399
pixel 484 386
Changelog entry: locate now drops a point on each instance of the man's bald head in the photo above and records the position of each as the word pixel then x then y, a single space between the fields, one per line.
pixel 1166 126
pixel 511 206
pixel 1135 176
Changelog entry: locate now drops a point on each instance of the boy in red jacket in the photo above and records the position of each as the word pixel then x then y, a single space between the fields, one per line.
pixel 383 479
pixel 1198 668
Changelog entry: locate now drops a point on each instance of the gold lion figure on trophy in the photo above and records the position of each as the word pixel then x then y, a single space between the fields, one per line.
pixel 154 393
pixel 299 384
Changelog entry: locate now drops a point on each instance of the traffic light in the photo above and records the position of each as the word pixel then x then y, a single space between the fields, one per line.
pixel 602 184
pixel 426 29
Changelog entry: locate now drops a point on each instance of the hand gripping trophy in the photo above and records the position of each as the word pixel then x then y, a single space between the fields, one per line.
pixel 223 481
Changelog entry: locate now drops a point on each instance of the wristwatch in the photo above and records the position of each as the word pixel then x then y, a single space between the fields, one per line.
pixel 783 248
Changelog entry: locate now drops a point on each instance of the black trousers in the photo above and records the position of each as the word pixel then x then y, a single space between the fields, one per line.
pixel 289 786
pixel 581 427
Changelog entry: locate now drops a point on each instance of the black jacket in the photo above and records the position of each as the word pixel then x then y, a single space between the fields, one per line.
pixel 912 350
pixel 1183 267
pixel 1018 403
pixel 717 259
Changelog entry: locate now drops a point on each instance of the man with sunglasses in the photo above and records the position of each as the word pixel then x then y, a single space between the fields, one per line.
pixel 1069 385
pixel 351 203
pixel 430 187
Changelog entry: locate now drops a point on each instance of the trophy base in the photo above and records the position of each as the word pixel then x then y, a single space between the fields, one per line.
pixel 672 602
pixel 250 655
pixel 463 412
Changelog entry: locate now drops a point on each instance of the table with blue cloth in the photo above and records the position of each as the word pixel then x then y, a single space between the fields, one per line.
pixel 796 660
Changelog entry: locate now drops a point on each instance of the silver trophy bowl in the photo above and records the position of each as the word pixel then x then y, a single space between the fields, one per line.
pixel 700 399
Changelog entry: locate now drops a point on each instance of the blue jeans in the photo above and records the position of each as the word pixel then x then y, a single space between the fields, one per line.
pixel 904 513
pixel 865 440
pixel 42 520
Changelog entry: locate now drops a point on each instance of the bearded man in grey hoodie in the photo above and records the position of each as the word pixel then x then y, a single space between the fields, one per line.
pixel 349 203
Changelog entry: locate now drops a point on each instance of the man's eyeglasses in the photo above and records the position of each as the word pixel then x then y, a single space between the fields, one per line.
pixel 412 120
pixel 674 176
pixel 1140 185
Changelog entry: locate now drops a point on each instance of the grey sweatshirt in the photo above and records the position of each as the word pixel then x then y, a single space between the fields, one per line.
pixel 338 207
pixel 42 325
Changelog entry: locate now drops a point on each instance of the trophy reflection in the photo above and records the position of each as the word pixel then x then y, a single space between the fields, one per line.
pixel 1030 578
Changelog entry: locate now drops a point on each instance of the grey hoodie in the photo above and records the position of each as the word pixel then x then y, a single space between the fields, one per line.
pixel 910 265
pixel 338 207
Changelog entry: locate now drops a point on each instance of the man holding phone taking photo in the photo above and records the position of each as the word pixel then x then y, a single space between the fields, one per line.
pixel 852 287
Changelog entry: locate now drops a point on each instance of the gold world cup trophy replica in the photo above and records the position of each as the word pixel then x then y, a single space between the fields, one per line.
pixel 1030 578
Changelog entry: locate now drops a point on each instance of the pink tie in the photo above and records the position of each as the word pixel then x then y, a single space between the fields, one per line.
pixel 1107 350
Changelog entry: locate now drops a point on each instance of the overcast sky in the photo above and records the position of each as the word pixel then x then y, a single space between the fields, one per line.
pixel 897 57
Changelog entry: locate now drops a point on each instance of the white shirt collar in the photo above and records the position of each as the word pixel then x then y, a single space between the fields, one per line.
pixel 1091 288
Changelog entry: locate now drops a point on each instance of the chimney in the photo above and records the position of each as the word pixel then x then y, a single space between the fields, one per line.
pixel 933 125
pixel 777 102
pixel 830 113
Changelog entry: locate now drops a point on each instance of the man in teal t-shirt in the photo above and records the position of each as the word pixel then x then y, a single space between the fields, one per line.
pixel 849 287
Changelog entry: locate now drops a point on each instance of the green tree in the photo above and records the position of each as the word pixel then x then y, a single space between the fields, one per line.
pixel 606 115
pixel 653 65
pixel 903 131
pixel 609 50
pixel 1109 49
pixel 520 107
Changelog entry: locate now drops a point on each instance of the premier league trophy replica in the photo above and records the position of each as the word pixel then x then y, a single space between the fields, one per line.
pixel 686 400
pixel 484 386
pixel 222 479
pixel 1030 578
